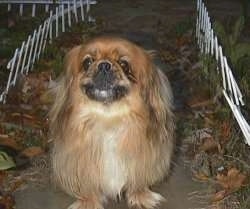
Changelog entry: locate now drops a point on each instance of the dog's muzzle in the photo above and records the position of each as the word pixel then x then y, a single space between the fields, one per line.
pixel 103 87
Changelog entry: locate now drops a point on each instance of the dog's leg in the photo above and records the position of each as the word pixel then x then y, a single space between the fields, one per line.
pixel 86 203
pixel 144 199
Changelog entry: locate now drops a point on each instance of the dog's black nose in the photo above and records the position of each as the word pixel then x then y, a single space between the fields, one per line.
pixel 104 66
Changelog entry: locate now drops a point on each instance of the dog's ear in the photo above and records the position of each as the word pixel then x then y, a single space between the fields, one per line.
pixel 62 104
pixel 159 100
pixel 72 61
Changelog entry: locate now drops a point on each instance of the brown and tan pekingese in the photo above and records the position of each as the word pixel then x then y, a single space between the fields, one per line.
pixel 112 125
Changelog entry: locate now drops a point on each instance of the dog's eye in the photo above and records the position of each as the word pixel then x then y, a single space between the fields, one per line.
pixel 87 62
pixel 127 70
pixel 125 66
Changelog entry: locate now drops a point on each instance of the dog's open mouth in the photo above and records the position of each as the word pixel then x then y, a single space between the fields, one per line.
pixel 104 95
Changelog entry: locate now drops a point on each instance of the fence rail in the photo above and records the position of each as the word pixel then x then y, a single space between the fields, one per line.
pixel 34 3
pixel 208 44
pixel 31 49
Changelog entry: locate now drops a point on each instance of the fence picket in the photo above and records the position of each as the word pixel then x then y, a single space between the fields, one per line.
pixel 20 54
pixel 21 9
pixel 82 11
pixel 47 31
pixel 11 71
pixel 31 51
pixel 47 8
pixel 33 10
pixel 75 11
pixel 36 45
pixel 63 18
pixel 25 53
pixel 222 65
pixel 42 39
pixel 69 15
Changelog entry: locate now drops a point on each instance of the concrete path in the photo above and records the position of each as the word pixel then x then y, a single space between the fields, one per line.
pixel 177 190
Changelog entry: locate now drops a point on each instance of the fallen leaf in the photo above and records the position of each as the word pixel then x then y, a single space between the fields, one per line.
pixel 168 56
pixel 7 202
pixel 3 175
pixel 209 145
pixel 232 181
pixel 219 195
pixel 181 41
pixel 199 101
pixel 201 176
pixel 6 161
pixel 47 97
pixel 9 142
pixel 225 131
pixel 32 151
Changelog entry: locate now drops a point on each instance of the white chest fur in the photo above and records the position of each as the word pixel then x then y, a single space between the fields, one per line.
pixel 114 175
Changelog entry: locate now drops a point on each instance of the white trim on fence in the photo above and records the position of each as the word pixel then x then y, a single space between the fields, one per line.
pixel 36 43
pixel 208 44
pixel 47 4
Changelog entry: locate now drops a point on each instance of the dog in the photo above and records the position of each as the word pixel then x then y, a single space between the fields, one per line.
pixel 112 125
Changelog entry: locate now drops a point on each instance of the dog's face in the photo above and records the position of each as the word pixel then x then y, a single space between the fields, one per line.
pixel 109 69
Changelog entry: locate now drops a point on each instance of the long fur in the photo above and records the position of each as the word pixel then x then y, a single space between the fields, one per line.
pixel 140 128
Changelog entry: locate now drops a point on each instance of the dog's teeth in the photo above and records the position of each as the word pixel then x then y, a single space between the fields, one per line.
pixel 103 93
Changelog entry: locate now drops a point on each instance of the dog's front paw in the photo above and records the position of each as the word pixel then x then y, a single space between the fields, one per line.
pixel 144 199
pixel 85 204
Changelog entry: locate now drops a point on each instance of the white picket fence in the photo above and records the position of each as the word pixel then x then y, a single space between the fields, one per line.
pixel 31 49
pixel 208 44
pixel 33 4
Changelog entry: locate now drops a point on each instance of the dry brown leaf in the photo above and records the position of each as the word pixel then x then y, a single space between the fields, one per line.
pixel 201 176
pixel 47 97
pixel 32 151
pixel 9 142
pixel 209 144
pixel 7 202
pixel 3 175
pixel 199 101
pixel 225 130
pixel 181 41
pixel 219 195
pixel 168 56
pixel 232 181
